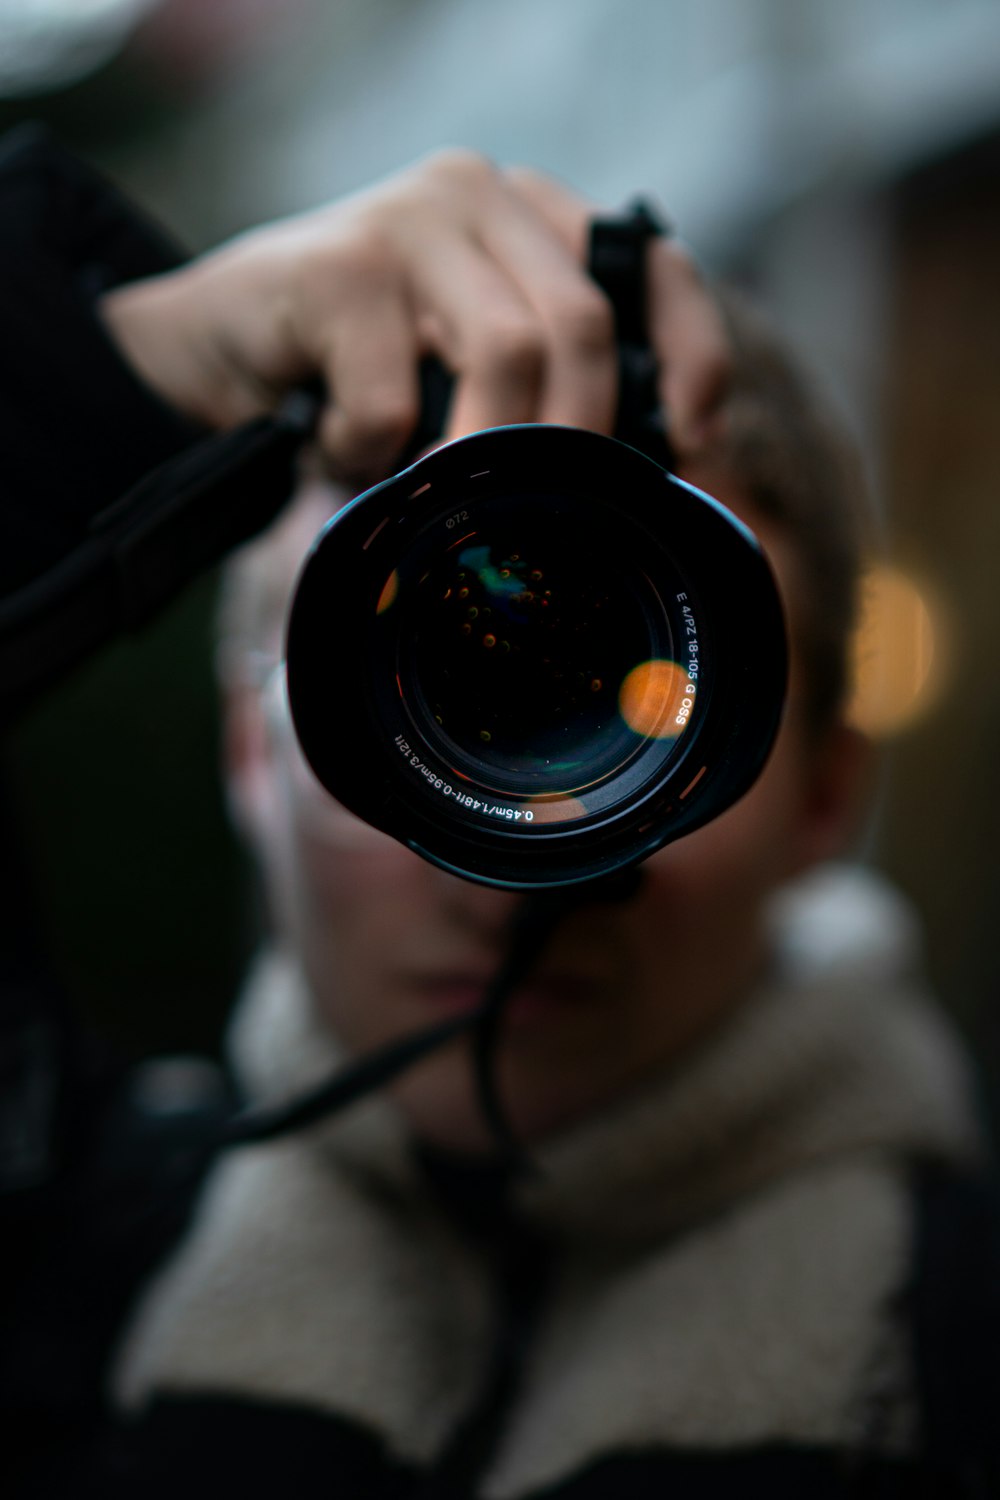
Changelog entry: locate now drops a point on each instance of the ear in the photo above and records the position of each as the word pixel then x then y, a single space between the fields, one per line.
pixel 838 777
pixel 246 756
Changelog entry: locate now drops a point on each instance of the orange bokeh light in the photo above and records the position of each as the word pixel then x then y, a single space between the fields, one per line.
pixel 896 647
pixel 652 698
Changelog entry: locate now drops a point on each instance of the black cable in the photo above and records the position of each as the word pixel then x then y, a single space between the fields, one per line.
pixel 532 926
pixel 380 1067
pixel 533 923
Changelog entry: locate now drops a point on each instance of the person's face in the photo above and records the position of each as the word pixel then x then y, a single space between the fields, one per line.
pixel 390 944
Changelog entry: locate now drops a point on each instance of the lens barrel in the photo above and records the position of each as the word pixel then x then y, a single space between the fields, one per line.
pixel 535 657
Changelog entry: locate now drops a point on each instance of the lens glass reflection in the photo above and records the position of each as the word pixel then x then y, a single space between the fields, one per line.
pixel 517 640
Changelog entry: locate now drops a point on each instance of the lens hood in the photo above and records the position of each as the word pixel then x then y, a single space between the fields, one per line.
pixel 534 657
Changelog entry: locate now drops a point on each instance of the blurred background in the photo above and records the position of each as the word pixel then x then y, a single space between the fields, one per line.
pixel 840 158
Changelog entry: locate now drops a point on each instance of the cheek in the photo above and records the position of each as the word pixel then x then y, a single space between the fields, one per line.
pixel 331 905
pixel 353 900
pixel 725 871
pixel 332 887
pixel 347 916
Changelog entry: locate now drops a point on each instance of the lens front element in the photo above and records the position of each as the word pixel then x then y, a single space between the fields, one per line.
pixel 521 644
pixel 539 644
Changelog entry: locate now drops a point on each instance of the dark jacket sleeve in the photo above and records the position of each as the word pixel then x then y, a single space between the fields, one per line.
pixel 109 499
pixel 78 429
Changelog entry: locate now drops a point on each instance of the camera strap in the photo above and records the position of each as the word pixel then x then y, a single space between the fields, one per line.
pixel 617 262
pixel 139 553
pixel 533 923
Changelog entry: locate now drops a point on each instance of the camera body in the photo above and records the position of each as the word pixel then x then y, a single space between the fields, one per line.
pixel 535 657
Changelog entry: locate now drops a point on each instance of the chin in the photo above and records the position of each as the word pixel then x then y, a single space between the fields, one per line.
pixel 437 1098
pixel 441 1106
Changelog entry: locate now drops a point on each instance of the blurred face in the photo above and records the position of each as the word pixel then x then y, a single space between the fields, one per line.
pixel 390 944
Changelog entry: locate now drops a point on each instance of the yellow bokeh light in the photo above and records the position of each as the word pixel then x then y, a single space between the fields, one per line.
pixel 895 649
pixel 654 696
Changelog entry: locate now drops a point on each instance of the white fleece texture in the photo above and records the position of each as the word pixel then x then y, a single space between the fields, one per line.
pixel 729 1241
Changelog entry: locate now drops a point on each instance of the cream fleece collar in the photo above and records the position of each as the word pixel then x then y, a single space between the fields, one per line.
pixel 838 1052
pixel 730 1242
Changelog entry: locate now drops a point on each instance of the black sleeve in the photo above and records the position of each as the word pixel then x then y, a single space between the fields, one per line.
pixel 109 499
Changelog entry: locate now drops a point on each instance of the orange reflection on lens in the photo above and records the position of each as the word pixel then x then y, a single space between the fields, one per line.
pixel 656 699
pixel 556 810
pixel 390 589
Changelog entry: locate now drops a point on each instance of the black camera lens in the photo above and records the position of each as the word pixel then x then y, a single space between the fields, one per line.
pixel 519 640
pixel 550 657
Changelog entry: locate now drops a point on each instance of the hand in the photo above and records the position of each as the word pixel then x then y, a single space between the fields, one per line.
pixel 483 267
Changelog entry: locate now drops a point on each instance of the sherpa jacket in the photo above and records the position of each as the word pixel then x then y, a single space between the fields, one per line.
pixel 711 1288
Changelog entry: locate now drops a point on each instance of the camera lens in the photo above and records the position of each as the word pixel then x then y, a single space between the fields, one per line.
pixel 549 657
pixel 518 640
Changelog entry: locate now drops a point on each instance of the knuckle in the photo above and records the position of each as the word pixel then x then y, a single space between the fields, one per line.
pixel 528 180
pixel 384 420
pixel 356 256
pixel 460 166
pixel 586 322
pixel 338 267
pixel 511 346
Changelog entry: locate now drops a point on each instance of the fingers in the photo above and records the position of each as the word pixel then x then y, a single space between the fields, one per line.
pixel 530 339
pixel 508 308
pixel 370 366
pixel 567 213
pixel 689 337
pixel 475 318
pixel 482 267
pixel 575 319
pixel 686 330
